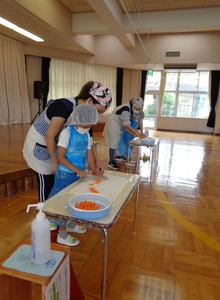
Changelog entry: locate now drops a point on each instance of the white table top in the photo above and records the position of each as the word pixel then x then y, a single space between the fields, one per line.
pixel 119 187
pixel 138 142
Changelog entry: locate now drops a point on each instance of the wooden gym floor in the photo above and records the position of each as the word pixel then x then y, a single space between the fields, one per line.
pixel 175 253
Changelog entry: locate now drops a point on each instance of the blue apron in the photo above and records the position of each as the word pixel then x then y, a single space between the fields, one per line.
pixel 76 154
pixel 125 138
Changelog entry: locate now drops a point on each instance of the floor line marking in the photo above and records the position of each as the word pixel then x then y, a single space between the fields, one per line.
pixel 183 221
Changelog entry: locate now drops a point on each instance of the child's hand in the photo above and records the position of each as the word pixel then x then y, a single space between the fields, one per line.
pixel 99 173
pixel 83 174
pixel 138 134
pixel 99 169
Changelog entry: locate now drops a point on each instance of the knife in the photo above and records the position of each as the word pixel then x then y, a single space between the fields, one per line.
pixel 96 177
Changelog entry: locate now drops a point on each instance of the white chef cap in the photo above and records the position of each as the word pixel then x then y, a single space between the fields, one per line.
pixel 84 114
pixel 139 115
pixel 137 102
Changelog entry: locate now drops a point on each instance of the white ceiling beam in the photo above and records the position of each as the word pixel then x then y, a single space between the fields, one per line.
pixel 204 19
pixel 112 16
pixel 188 20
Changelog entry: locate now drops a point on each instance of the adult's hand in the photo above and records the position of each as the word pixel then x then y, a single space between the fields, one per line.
pixel 54 166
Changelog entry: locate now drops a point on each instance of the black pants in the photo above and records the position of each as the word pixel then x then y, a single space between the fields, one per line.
pixel 45 185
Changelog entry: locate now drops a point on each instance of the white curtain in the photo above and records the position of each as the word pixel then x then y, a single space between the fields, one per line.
pixel 67 78
pixel 14 100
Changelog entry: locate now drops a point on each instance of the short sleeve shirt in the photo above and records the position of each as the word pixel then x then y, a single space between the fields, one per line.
pixel 60 108
pixel 64 139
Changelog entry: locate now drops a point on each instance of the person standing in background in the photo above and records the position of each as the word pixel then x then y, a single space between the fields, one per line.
pixel 127 136
pixel 118 119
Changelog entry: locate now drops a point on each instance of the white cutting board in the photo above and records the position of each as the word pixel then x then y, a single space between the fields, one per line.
pixel 108 187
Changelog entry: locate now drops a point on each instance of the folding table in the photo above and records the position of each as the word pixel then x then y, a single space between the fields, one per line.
pixel 119 187
pixel 154 151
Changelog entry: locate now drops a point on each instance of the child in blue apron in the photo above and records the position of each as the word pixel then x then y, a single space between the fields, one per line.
pixel 74 150
pixel 126 137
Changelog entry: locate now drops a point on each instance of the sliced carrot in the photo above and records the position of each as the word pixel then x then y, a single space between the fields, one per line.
pixel 87 205
pixel 93 190
pixel 98 181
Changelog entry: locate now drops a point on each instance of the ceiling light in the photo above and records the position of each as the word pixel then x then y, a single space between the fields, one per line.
pixel 20 30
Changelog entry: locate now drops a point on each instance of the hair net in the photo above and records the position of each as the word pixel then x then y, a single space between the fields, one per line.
pixel 137 102
pixel 101 94
pixel 139 115
pixel 84 114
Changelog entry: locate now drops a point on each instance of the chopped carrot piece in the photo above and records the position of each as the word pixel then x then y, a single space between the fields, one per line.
pixel 98 181
pixel 93 190
pixel 87 205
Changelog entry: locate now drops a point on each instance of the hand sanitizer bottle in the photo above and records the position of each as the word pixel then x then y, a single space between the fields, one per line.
pixel 40 236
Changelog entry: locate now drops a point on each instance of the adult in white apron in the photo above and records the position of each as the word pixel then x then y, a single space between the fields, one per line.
pixel 126 137
pixel 118 119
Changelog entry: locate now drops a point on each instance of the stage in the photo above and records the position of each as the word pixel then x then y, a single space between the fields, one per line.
pixel 15 175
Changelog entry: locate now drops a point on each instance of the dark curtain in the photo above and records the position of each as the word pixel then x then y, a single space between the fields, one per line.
pixel 45 76
pixel 119 86
pixel 215 80
pixel 143 83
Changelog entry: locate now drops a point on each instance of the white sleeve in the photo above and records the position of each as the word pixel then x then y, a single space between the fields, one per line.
pixel 64 138
pixel 89 142
pixel 125 118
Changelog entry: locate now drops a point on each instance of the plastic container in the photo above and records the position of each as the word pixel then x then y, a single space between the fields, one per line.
pixel 104 202
pixel 146 132
pixel 148 141
pixel 40 236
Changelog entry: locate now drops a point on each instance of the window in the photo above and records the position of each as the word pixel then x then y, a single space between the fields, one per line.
pixel 186 95
pixel 150 99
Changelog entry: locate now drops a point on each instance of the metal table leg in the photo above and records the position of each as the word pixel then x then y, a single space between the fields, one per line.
pixel 137 167
pixel 154 162
pixel 104 267
pixel 151 163
pixel 136 209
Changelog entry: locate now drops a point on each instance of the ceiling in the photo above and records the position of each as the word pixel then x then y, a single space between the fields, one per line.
pixel 133 6
pixel 63 23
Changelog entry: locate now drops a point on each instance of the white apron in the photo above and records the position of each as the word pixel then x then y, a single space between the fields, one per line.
pixel 42 165
pixel 113 128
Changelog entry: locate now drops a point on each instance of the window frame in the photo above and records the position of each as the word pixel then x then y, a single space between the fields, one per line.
pixel 178 93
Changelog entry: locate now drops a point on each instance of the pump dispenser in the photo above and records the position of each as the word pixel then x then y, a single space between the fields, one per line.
pixel 40 236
